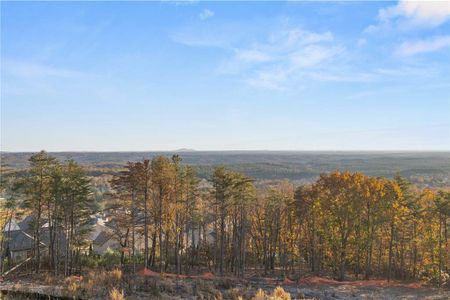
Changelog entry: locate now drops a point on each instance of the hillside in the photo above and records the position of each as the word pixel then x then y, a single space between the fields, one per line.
pixel 426 168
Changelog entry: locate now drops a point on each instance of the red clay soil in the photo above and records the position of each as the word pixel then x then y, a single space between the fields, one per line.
pixel 73 278
pixel 148 272
pixel 207 275
pixel 288 281
pixel 269 280
pixel 373 282
pixel 312 280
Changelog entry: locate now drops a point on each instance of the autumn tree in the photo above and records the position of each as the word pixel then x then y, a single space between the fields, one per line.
pixel 38 195
pixel 77 205
pixel 162 185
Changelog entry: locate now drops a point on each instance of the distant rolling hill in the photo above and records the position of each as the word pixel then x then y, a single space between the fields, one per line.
pixel 294 165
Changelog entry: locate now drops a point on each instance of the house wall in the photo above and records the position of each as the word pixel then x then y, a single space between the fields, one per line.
pixel 110 244
pixel 18 256
pixel 96 230
pixel 199 235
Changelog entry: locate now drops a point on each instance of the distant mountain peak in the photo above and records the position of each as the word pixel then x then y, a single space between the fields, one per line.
pixel 185 150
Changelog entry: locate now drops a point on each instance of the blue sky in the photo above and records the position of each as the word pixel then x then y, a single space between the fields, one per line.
pixel 225 75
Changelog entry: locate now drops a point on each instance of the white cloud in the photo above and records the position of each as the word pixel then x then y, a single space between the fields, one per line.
pixel 412 14
pixel 220 35
pixel 423 46
pixel 29 70
pixel 252 56
pixel 26 78
pixel 432 13
pixel 342 76
pixel 313 55
pixel 274 62
pixel 297 36
pixel 206 14
pixel 286 57
pixel 266 59
pixel 361 42
pixel 180 3
pixel 268 79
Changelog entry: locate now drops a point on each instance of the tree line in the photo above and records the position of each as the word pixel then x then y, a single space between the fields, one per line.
pixel 345 224
pixel 56 197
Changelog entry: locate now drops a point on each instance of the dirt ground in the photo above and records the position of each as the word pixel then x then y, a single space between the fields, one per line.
pixel 207 286
pixel 322 288
pixel 346 291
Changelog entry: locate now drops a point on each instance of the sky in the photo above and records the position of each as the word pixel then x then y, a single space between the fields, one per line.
pixel 142 76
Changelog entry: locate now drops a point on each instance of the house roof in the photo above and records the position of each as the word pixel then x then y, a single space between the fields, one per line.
pixel 20 241
pixel 102 238
pixel 11 226
pixel 27 224
pixel 96 230
pixel 20 237
pixel 60 238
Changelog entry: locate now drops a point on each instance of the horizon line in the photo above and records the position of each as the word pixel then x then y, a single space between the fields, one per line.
pixel 231 150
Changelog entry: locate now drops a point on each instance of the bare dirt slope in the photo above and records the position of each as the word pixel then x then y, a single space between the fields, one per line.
pixel 207 286
pixel 366 292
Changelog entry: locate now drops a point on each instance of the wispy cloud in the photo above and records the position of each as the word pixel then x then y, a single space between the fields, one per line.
pixel 430 13
pixel 206 14
pixel 361 42
pixel 436 43
pixel 269 79
pixel 218 35
pixel 282 58
pixel 343 76
pixel 285 56
pixel 252 55
pixel 30 78
pixel 23 69
pixel 313 55
pixel 267 59
pixel 279 57
pixel 411 14
pixel 180 3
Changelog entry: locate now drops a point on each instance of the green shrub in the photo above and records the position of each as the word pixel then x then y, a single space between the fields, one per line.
pixel 110 259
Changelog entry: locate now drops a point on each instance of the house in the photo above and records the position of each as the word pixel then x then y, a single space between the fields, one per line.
pixel 103 236
pixel 97 225
pixel 100 237
pixel 104 242
pixel 205 234
pixel 18 245
pixel 19 239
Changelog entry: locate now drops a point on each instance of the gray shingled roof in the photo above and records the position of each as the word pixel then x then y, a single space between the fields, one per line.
pixel 102 238
pixel 20 241
pixel 60 239
pixel 27 224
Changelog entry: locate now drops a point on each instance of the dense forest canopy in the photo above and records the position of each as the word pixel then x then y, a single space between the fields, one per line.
pixel 421 168
pixel 345 224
